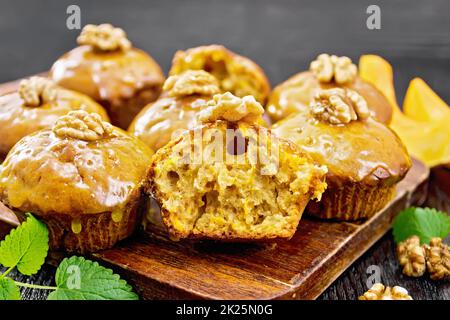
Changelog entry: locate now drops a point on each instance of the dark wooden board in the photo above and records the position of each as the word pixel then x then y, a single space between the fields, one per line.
pixel 301 268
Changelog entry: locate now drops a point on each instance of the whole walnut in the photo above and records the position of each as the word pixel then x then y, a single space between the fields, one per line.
pixel 411 256
pixel 438 259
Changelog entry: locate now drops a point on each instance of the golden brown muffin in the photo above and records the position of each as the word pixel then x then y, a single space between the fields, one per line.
pixel 176 110
pixel 108 69
pixel 325 72
pixel 365 158
pixel 83 178
pixel 231 179
pixel 236 74
pixel 36 105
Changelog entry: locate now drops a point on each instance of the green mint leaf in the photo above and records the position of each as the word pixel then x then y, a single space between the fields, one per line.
pixel 425 223
pixel 25 247
pixel 8 290
pixel 81 279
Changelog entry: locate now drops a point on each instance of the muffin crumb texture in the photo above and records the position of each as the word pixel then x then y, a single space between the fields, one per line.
pixel 83 126
pixel 333 68
pixel 104 37
pixel 231 108
pixel 339 106
pixel 191 82
pixel 235 199
pixel 36 91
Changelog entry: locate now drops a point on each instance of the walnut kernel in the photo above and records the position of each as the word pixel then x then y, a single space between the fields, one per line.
pixel 231 108
pixel 191 82
pixel 104 37
pixel 339 106
pixel 82 125
pixel 438 259
pixel 328 68
pixel 380 292
pixel 411 257
pixel 36 91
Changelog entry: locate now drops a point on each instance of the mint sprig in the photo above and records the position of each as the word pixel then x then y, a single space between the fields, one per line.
pixel 25 247
pixel 425 223
pixel 81 279
pixel 8 290
pixel 77 278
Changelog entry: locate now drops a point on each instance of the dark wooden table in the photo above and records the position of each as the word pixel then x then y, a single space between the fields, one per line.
pixel 282 36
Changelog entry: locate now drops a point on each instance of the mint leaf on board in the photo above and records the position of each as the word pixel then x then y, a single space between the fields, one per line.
pixel 8 290
pixel 25 247
pixel 426 223
pixel 81 279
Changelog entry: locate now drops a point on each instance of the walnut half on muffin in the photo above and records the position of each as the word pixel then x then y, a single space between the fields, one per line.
pixel 232 179
pixel 82 178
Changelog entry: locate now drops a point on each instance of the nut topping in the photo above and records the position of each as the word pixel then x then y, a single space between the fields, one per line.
pixel 380 292
pixel 339 106
pixel 231 108
pixel 438 259
pixel 36 91
pixel 411 257
pixel 83 126
pixel 328 68
pixel 104 37
pixel 191 82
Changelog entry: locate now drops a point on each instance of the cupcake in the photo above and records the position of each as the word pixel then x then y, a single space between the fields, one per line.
pixel 176 110
pixel 108 69
pixel 236 74
pixel 82 178
pixel 325 72
pixel 232 179
pixel 36 105
pixel 365 159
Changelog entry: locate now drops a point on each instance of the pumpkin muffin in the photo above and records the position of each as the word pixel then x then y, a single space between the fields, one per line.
pixel 176 110
pixel 236 74
pixel 108 69
pixel 232 179
pixel 36 105
pixel 82 178
pixel 325 72
pixel 365 158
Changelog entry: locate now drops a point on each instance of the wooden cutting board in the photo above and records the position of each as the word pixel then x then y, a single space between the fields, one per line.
pixel 301 268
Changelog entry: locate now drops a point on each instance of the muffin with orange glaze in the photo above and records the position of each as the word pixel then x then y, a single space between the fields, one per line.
pixel 108 69
pixel 176 110
pixel 236 74
pixel 36 105
pixel 365 158
pixel 82 178
pixel 325 72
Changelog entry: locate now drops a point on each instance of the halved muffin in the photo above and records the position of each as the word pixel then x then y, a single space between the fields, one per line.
pixel 108 69
pixel 236 74
pixel 365 158
pixel 326 72
pixel 36 105
pixel 232 179
pixel 82 178
pixel 176 110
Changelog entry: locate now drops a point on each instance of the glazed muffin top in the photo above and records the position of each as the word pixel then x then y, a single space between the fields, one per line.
pixel 325 72
pixel 36 105
pixel 236 74
pixel 182 98
pixel 105 66
pixel 338 131
pixel 82 165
